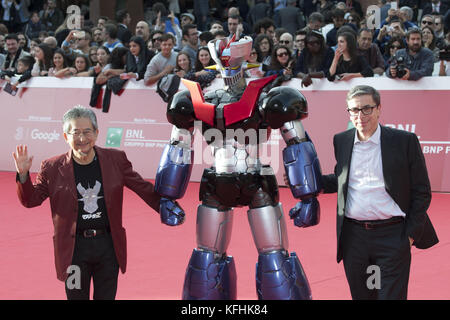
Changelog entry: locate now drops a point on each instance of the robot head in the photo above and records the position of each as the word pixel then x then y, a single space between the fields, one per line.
pixel 231 58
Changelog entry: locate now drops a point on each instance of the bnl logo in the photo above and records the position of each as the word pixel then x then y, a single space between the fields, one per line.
pixel 114 137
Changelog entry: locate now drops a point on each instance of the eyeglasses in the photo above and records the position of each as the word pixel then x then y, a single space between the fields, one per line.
pixel 88 133
pixel 430 23
pixel 366 110
pixel 284 41
pixel 156 39
pixel 396 47
pixel 282 54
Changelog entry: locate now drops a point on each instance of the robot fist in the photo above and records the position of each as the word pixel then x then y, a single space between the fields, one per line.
pixel 306 213
pixel 171 212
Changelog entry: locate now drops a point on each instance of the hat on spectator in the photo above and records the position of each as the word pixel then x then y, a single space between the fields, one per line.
pixel 189 15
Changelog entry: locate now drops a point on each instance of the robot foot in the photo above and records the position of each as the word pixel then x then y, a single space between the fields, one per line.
pixel 209 278
pixel 280 277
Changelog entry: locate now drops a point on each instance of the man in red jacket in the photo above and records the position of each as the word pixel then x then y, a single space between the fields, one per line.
pixel 85 187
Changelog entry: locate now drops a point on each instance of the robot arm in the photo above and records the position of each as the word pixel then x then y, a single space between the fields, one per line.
pixel 303 172
pixel 284 108
pixel 173 175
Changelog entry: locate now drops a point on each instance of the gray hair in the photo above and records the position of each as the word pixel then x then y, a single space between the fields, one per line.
pixel 408 11
pixel 79 112
pixel 363 90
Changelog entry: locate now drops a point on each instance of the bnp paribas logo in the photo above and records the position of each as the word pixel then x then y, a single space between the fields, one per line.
pixel 113 137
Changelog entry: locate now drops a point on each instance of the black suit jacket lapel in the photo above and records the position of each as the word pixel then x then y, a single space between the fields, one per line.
pixel 346 158
pixel 387 158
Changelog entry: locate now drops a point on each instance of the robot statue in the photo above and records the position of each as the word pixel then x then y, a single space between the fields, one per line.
pixel 238 178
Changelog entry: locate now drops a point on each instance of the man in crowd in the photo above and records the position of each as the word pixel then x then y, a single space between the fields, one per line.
pixel 190 37
pixel 393 28
pixel 299 42
pixel 428 21
pixel 291 17
pixel 163 63
pixel 14 53
pixel 370 51
pixel 155 37
pixel 264 26
pixel 288 40
pixel 143 30
pixel 338 21
pixel 52 17
pixel 111 40
pixel 123 19
pixel 97 36
pixel 417 61
pixel 315 22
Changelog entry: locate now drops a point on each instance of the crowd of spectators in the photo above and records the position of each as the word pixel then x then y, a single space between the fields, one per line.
pixel 306 39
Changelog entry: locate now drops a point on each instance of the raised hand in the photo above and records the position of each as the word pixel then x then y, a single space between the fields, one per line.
pixel 22 160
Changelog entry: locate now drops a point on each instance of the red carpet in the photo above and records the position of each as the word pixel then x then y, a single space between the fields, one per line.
pixel 158 254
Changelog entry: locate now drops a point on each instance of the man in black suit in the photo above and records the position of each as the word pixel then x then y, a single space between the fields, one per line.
pixel 123 22
pixel 383 195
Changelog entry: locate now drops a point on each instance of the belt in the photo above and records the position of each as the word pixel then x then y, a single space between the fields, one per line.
pixel 374 224
pixel 90 233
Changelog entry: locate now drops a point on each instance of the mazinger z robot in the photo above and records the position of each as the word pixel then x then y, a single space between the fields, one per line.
pixel 238 178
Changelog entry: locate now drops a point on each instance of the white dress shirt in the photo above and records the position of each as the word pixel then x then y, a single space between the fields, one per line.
pixel 367 198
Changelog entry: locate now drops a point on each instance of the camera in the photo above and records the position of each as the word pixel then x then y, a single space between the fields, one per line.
pixel 400 67
pixel 79 34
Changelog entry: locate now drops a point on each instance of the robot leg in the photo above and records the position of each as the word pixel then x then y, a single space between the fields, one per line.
pixel 211 275
pixel 278 275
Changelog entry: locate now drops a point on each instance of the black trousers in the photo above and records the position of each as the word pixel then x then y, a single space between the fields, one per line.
pixel 376 261
pixel 96 260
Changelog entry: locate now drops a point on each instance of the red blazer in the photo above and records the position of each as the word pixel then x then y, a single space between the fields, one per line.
pixel 56 181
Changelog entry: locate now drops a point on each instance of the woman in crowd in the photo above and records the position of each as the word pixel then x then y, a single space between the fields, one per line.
pixel 82 64
pixel 116 65
pixel 33 44
pixel 24 42
pixel 103 59
pixel 183 66
pixel 314 60
pixel 43 56
pixel 282 62
pixel 200 74
pixel 347 64
pixel 254 58
pixel 137 59
pixel 263 45
pixel 93 60
pixel 393 45
pixel 429 41
pixel 59 64
pixel 81 68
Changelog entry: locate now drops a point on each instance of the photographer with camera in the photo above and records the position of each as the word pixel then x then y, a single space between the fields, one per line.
pixel 442 67
pixel 394 28
pixel 413 62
